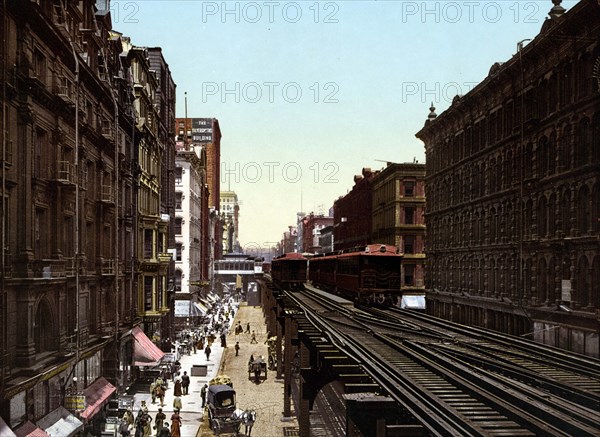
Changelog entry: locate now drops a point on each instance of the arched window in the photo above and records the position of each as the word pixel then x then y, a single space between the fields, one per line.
pixel 528 164
pixel 552 216
pixel 542 217
pixel 565 212
pixel 43 328
pixel 583 210
pixel 552 153
pixel 564 162
pixel 542 157
pixel 542 281
pixel 583 282
pixel 583 146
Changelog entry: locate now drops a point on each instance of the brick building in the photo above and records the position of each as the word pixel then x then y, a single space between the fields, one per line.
pixel 311 230
pixel 398 205
pixel 513 191
pixel 81 183
pixel 352 214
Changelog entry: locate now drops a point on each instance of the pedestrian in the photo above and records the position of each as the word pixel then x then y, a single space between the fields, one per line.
pixel 248 328
pixel 159 420
pixel 253 340
pixel 177 404
pixel 176 424
pixel 164 432
pixel 143 409
pixel 177 391
pixel 153 391
pixel 124 428
pixel 185 383
pixel 203 394
pixel 237 348
pixel 223 340
pixel 160 393
pixel 128 417
pixel 207 351
pixel 147 430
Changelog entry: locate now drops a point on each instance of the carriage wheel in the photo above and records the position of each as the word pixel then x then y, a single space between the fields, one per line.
pixel 215 426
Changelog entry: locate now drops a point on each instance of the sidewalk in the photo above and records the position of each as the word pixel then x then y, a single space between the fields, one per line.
pixel 266 398
pixel 191 413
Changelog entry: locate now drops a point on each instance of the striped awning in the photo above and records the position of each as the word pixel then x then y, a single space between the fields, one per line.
pixel 145 353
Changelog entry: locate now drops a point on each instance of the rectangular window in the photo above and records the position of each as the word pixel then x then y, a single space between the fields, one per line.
pixel 409 188
pixel 178 174
pixel 148 246
pixel 148 282
pixel 39 66
pixel 178 200
pixel 179 248
pixel 178 223
pixel 409 215
pixel 409 244
pixel 409 275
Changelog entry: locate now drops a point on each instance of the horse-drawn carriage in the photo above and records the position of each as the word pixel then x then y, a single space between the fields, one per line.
pixel 221 406
pixel 258 368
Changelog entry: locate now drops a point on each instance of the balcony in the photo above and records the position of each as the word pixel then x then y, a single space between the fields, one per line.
pixel 65 173
pixel 70 267
pixel 48 268
pixel 107 194
pixel 108 267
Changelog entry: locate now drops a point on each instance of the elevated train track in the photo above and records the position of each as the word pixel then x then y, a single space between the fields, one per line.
pixel 460 381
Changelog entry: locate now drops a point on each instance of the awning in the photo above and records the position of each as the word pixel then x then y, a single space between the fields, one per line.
pixel 96 395
pixel 200 308
pixel 145 353
pixel 60 423
pixel 186 308
pixel 28 429
pixel 5 430
pixel 415 302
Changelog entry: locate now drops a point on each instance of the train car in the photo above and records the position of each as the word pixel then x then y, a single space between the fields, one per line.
pixel 290 271
pixel 369 276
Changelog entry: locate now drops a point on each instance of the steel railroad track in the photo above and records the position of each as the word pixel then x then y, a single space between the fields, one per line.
pixel 417 366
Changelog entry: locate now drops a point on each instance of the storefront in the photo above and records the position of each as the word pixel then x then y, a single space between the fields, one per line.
pixel 60 423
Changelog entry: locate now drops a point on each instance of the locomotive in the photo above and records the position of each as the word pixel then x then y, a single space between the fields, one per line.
pixel 371 275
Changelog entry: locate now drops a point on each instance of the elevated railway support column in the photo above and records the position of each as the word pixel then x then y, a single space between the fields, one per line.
pixel 279 342
pixel 307 391
pixel 368 414
pixel 287 366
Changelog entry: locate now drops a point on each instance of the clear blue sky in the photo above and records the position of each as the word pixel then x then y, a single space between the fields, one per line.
pixel 308 93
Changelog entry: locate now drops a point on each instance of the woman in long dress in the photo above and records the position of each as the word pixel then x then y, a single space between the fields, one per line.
pixel 177 390
pixel 175 425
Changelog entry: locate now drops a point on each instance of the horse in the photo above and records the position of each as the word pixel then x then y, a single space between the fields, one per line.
pixel 248 419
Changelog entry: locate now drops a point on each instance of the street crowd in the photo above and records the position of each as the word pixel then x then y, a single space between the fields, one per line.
pixel 188 341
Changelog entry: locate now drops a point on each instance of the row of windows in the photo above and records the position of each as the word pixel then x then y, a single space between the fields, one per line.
pixel 551 155
pixel 571 81
pixel 564 212
pixel 501 276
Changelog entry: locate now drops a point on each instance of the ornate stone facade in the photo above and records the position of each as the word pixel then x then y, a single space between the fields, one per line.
pixel 513 191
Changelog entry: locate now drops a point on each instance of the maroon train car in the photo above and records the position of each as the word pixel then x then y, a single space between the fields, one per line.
pixel 290 271
pixel 368 276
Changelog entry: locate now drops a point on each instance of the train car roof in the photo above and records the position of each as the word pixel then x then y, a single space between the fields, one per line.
pixel 370 250
pixel 290 255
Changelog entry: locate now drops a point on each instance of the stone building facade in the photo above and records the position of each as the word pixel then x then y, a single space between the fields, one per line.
pixel 513 191
pixel 75 162
pixel 398 208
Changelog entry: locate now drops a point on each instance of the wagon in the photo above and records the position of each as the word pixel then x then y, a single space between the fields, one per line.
pixel 258 367
pixel 221 407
